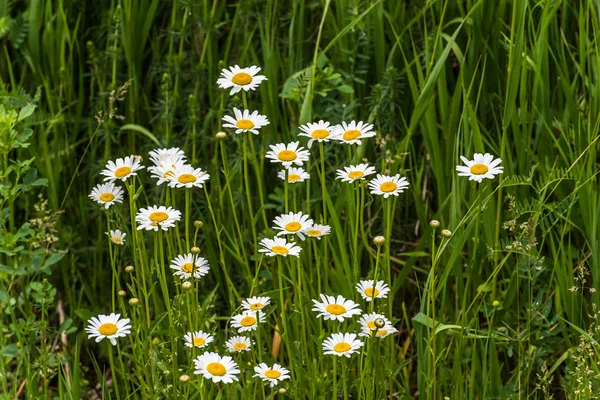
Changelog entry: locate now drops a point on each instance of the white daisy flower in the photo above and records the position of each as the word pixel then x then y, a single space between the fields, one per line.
pixel 320 131
pixel 483 166
pixel 316 231
pixel 197 339
pixel 353 132
pixel 107 194
pixel 279 247
pixel 335 308
pixel 173 155
pixel 369 324
pixel 245 122
pixel 108 326
pixel 238 78
pixel 116 236
pixel 256 303
pixel 388 185
pixel 121 169
pixel 273 375
pixel 237 344
pixel 187 176
pixel 366 290
pixel 342 344
pixel 287 154
pixel 153 217
pixel 355 173
pixel 220 369
pixel 165 169
pixel 185 267
pixel 292 224
pixel 295 175
pixel 246 321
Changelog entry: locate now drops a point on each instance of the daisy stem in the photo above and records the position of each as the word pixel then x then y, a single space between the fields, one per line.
pixel 113 368
pixel 285 191
pixel 356 228
pixel 318 268
pixel 259 176
pixel 282 305
pixel 344 382
pixel 375 276
pixel 112 261
pixel 247 183
pixel 335 378
pixel 323 187
pixel 188 216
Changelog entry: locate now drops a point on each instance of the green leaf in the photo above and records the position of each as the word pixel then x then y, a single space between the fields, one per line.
pixel 142 130
pixel 26 112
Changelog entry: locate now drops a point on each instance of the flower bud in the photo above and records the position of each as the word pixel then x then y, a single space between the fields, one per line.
pixel 129 268
pixel 282 391
pixel 434 223
pixel 198 224
pixel 187 285
pixel 184 378
pixel 379 240
pixel 495 303
pixel 195 250
pixel 379 323
pixel 122 293
pixel 446 233
pixel 221 135
pixel 133 301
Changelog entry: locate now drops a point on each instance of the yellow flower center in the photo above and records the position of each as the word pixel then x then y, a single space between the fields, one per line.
pixel 279 249
pixel 388 187
pixel 381 333
pixel 187 268
pixel 320 133
pixel 351 134
pixel 341 347
pixel 287 155
pixel 116 239
pixel 256 306
pixel 479 169
pixel 121 172
pixel 248 321
pixel 107 197
pixel 239 346
pixel 244 124
pixel 186 178
pixel 198 341
pixel 215 368
pixel 241 78
pixel 335 309
pixel 313 232
pixel 369 292
pixel 371 326
pixel 356 174
pixel 293 178
pixel 272 374
pixel 167 174
pixel 108 329
pixel 158 216
pixel 293 226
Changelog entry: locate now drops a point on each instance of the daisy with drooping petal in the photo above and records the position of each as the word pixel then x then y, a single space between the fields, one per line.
pixel 368 292
pixel 107 194
pixel 197 339
pixel 287 154
pixel 353 132
pixel 247 320
pixel 237 344
pixel 295 175
pixel 110 327
pixel 342 344
pixel 279 247
pixel 219 369
pixel 116 236
pixel 335 308
pixel 373 322
pixel 190 265
pixel 245 122
pixel 292 224
pixel 187 176
pixel 316 231
pixel 273 375
pixel 256 303
pixel 355 173
pixel 481 167
pixel 238 78
pixel 387 186
pixel 153 217
pixel 320 131
pixel 122 168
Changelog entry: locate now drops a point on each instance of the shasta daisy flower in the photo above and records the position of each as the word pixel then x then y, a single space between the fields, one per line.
pixel 354 173
pixel 320 131
pixel 256 303
pixel 110 327
pixel 366 290
pixel 335 308
pixel 279 247
pixel 292 224
pixel 247 320
pixel 342 344
pixel 116 236
pixel 173 155
pixel 353 132
pixel 197 339
pixel 316 231
pixel 273 375
pixel 122 168
pixel 287 154
pixel 245 122
pixel 153 217
pixel 388 185
pixel 190 265
pixel 187 176
pixel 238 78
pixel 164 170
pixel 237 344
pixel 481 167
pixel 107 194
pixel 219 369
pixel 372 322
pixel 295 175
